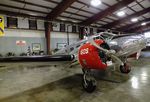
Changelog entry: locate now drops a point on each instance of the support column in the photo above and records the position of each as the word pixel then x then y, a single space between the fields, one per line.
pixel 81 32
pixel 68 34
pixel 48 29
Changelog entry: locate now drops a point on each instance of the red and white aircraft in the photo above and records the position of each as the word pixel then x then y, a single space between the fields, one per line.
pixel 93 53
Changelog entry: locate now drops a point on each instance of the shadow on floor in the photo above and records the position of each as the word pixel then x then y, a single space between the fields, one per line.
pixel 66 89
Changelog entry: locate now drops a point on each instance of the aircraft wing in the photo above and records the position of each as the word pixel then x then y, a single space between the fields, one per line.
pixel 38 58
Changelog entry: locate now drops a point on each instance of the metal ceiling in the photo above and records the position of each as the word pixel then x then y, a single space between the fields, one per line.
pixel 81 11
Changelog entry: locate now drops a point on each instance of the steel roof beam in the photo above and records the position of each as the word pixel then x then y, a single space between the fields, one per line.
pixel 120 21
pixel 61 7
pixel 106 12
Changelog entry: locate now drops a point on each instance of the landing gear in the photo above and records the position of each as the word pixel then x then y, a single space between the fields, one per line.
pixel 125 68
pixel 89 82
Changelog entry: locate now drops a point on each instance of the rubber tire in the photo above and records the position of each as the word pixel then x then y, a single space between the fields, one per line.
pixel 83 70
pixel 124 70
pixel 90 87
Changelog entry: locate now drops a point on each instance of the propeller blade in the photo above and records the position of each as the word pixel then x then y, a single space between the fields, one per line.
pixel 110 53
pixel 97 46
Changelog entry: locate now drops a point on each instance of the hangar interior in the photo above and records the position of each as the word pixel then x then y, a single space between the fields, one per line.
pixel 43 27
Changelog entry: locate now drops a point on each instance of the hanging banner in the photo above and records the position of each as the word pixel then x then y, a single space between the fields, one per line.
pixel 1 26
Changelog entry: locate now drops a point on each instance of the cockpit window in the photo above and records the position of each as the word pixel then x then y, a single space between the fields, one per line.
pixel 107 36
pixel 98 37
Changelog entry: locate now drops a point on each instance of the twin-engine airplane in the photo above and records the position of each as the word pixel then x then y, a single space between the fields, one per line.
pixel 93 53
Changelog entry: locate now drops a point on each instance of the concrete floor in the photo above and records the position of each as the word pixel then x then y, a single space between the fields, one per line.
pixel 37 82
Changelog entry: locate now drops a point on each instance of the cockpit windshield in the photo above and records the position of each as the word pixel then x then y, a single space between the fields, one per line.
pixel 107 36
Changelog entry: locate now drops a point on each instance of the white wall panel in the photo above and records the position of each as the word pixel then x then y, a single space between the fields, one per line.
pixel 64 35
pixel 40 24
pixel 23 23
pixel 5 20
pixel 23 33
pixel 56 26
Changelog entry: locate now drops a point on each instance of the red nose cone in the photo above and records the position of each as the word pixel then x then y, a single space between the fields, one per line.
pixel 89 56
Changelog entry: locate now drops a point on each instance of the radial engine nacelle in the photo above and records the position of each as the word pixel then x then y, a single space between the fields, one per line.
pixel 91 57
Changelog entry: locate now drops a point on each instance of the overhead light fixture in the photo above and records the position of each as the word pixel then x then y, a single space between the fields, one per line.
pixel 74 21
pixel 95 2
pixel 92 24
pixel 121 13
pixel 32 14
pixel 134 19
pixel 63 19
pixel 143 23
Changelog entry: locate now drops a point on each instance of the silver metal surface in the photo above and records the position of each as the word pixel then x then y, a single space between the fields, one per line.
pixel 127 45
pixel 124 45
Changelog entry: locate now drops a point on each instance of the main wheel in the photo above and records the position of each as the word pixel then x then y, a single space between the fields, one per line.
pixel 125 68
pixel 89 85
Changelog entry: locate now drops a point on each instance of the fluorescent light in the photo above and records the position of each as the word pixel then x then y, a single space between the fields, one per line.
pixel 95 2
pixel 74 21
pixel 143 23
pixel 32 14
pixel 63 19
pixel 134 19
pixel 121 13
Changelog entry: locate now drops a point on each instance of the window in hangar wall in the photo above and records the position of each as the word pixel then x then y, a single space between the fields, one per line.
pixel 100 30
pixel 74 29
pixel 62 27
pixel 12 22
pixel 91 31
pixel 33 24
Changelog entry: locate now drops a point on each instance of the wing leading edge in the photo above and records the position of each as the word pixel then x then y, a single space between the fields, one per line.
pixel 38 58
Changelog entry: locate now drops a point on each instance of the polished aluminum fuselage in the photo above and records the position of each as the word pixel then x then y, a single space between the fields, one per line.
pixel 127 45
pixel 124 45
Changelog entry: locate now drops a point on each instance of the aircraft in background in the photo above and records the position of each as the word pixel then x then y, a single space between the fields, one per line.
pixel 94 53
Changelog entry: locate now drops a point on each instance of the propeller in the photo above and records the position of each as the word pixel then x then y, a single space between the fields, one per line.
pixel 110 53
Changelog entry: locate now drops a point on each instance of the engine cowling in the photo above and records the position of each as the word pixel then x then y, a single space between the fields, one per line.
pixel 91 57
